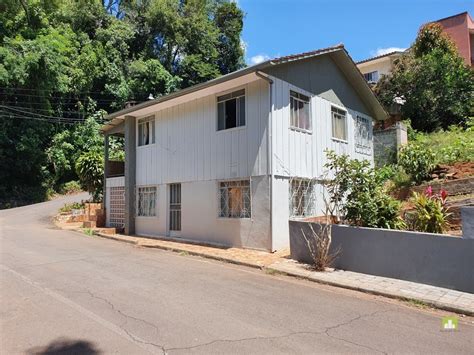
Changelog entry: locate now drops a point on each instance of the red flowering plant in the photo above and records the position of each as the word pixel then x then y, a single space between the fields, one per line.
pixel 430 213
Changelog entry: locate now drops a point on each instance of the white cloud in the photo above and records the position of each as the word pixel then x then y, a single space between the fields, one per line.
pixel 382 51
pixel 259 58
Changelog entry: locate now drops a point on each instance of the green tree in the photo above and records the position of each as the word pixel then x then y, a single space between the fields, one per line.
pixel 433 78
pixel 90 169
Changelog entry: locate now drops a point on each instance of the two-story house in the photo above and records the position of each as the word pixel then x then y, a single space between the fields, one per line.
pixel 218 162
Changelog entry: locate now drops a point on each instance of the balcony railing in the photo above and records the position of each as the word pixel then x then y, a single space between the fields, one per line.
pixel 115 168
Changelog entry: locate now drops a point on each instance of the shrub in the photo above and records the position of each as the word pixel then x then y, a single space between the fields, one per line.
pixel 70 187
pixel 319 243
pixel 358 194
pixel 452 145
pixel 417 161
pixel 90 169
pixel 430 213
pixel 68 207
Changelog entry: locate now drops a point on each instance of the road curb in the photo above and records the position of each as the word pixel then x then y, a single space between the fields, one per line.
pixel 431 303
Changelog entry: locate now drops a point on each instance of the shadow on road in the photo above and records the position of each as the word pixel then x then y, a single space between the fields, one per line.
pixel 66 346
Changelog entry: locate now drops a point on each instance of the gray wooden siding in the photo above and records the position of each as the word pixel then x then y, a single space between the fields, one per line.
pixel 189 148
pixel 320 76
pixel 297 153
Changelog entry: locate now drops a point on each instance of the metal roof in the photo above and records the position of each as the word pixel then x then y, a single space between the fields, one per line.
pixel 254 68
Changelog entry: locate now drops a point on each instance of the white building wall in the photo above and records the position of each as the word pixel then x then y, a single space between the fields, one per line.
pixel 301 154
pixel 189 148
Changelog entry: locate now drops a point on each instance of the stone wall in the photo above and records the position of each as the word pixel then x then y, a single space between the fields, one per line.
pixel 387 142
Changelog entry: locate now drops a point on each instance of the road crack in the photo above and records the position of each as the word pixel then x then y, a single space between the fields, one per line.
pixel 325 332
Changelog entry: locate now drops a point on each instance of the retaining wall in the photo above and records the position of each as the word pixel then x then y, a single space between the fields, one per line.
pixel 431 259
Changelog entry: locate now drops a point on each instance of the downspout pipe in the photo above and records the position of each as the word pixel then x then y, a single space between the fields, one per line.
pixel 269 147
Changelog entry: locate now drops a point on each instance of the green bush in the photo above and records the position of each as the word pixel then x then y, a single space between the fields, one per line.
pixel 430 213
pixel 359 194
pixel 68 207
pixel 416 160
pixel 90 169
pixel 70 187
pixel 452 145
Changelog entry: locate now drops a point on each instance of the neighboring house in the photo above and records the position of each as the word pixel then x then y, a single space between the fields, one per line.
pixel 460 28
pixel 213 162
pixel 374 68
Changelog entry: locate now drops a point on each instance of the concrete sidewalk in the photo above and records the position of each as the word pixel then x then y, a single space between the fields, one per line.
pixel 438 297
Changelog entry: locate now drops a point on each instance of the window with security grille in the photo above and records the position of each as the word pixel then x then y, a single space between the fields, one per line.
pixel 302 198
pixel 146 201
pixel 339 124
pixel 231 110
pixel 363 135
pixel 234 199
pixel 146 131
pixel 299 111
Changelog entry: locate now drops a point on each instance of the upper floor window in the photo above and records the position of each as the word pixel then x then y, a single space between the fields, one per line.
pixel 234 199
pixel 231 110
pixel 372 77
pixel 299 111
pixel 339 124
pixel 146 131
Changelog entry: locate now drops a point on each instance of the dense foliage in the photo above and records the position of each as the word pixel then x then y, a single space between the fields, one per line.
pixel 359 195
pixel 90 169
pixel 434 80
pixel 63 61
pixel 416 160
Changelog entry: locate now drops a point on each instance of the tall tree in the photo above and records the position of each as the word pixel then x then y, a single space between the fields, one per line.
pixel 434 80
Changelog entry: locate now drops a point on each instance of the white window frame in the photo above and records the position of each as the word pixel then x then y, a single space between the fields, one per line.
pixel 137 209
pixel 295 95
pixel 363 145
pixel 234 94
pixel 346 127
pixel 372 77
pixel 150 122
pixel 309 208
pixel 220 213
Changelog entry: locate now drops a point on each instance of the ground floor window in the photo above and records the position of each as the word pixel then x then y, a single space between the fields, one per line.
pixel 234 199
pixel 302 199
pixel 147 201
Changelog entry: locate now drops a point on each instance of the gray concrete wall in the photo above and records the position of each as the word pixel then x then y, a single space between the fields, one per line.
pixel 467 217
pixel 419 257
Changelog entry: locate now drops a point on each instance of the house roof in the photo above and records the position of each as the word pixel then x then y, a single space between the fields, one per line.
pixel 379 56
pixel 364 90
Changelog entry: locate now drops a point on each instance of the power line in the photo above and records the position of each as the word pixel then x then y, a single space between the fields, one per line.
pixel 37 119
pixel 45 90
pixel 44 110
pixel 57 97
pixel 37 114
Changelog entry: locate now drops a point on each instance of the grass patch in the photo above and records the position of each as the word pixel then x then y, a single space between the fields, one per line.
pixel 450 146
pixel 417 303
pixel 184 253
pixel 68 207
pixel 273 272
pixel 88 231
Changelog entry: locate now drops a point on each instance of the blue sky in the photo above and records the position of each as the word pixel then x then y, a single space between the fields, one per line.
pixel 366 27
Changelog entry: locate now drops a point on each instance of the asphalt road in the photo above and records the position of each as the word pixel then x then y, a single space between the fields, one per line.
pixel 64 291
